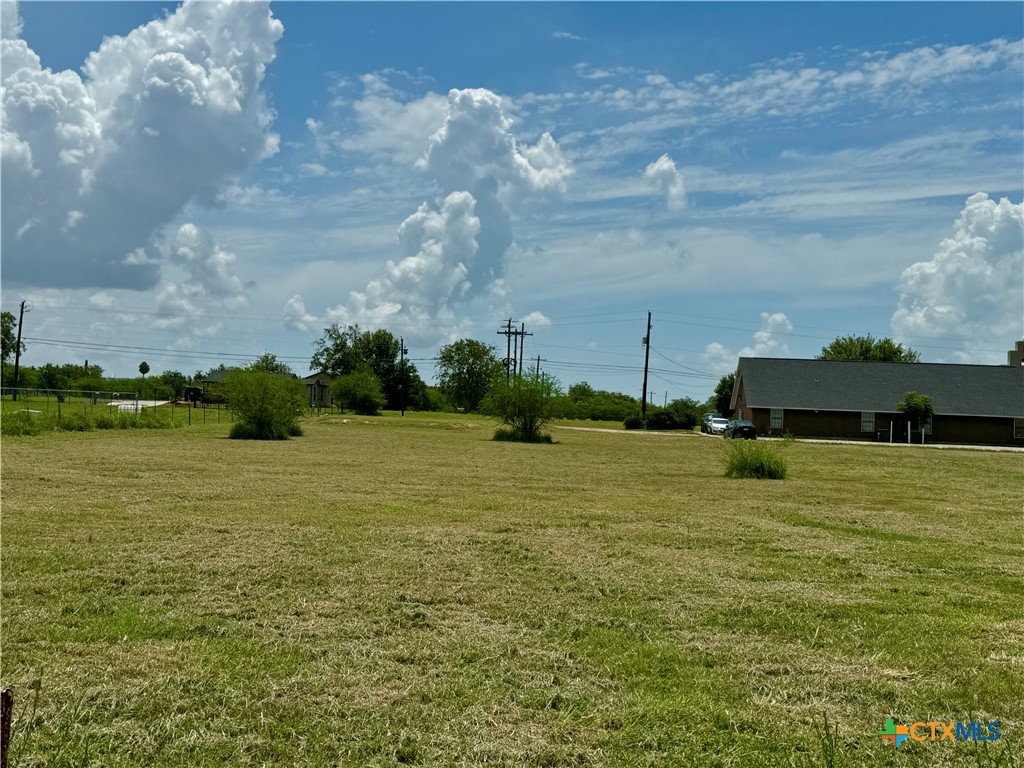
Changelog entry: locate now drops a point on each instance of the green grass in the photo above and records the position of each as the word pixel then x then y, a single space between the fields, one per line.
pixel 757 460
pixel 391 590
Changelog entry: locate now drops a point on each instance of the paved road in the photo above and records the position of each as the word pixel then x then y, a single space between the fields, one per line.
pixel 684 433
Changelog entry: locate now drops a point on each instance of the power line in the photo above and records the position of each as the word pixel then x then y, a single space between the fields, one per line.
pixel 694 370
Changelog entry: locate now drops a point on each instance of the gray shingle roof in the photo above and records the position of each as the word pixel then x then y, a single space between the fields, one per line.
pixel 829 385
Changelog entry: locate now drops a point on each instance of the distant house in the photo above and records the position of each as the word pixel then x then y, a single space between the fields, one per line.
pixel 318 387
pixel 220 375
pixel 974 404
pixel 213 382
pixel 217 375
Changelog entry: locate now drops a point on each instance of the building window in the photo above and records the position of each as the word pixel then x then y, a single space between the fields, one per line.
pixel 926 426
pixel 867 421
pixel 775 419
pixel 1018 429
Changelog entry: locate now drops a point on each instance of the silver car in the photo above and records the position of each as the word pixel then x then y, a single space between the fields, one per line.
pixel 718 425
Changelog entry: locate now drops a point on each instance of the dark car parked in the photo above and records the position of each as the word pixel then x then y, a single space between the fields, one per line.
pixel 741 428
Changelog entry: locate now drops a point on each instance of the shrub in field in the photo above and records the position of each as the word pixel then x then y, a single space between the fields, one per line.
pixel 153 418
pixel 105 421
pixel 74 421
pixel 506 435
pixel 360 391
pixel 19 423
pixel 758 459
pixel 523 404
pixel 267 406
pixel 633 421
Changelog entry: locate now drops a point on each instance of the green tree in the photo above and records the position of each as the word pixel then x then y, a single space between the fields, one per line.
pixel 143 368
pixel 465 370
pixel 268 363
pixel 859 348
pixel 686 411
pixel 918 408
pixel 343 350
pixel 379 351
pixel 267 407
pixel 580 392
pixel 52 377
pixel 360 391
pixel 176 382
pixel 723 394
pixel 335 352
pixel 523 404
pixel 8 339
pixel 416 395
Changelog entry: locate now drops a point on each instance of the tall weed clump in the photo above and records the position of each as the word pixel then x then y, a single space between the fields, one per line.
pixel 757 459
pixel 266 406
pixel 523 404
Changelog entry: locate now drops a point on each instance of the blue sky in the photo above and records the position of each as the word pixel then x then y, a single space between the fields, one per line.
pixel 762 177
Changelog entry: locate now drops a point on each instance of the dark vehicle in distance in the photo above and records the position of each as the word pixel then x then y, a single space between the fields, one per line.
pixel 741 428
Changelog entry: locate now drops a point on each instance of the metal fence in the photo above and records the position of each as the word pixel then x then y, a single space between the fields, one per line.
pixel 91 403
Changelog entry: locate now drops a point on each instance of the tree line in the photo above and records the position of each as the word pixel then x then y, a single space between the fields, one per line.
pixel 370 374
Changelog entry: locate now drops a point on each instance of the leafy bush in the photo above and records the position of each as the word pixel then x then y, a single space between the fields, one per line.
pixel 584 402
pixel 758 459
pixel 153 418
pixel 20 423
pixel 523 404
pixel 266 405
pixel 105 421
pixel 360 391
pixel 662 418
pixel 633 421
pixel 73 421
pixel 918 408
pixel 506 435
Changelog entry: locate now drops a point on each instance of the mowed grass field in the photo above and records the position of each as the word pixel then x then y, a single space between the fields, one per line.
pixel 407 591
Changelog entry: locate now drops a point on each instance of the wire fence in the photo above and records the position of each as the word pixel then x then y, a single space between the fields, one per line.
pixel 61 402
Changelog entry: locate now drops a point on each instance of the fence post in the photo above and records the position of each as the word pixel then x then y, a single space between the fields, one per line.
pixel 6 714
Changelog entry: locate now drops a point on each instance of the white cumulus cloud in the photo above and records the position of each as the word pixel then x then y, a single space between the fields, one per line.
pixel 456 251
pixel 437 271
pixel 537 319
pixel 972 289
pixel 663 178
pixel 768 341
pixel 163 116
pixel 10 21
pixel 296 318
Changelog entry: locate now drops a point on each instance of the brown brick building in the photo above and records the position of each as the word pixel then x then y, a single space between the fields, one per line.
pixel 974 404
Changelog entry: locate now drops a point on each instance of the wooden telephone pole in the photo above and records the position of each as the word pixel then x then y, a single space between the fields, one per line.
pixel 647 359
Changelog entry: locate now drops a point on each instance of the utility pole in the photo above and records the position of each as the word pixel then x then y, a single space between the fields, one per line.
pixel 647 359
pixel 508 333
pixel 522 339
pixel 538 366
pixel 402 352
pixel 17 348
pixel 514 342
